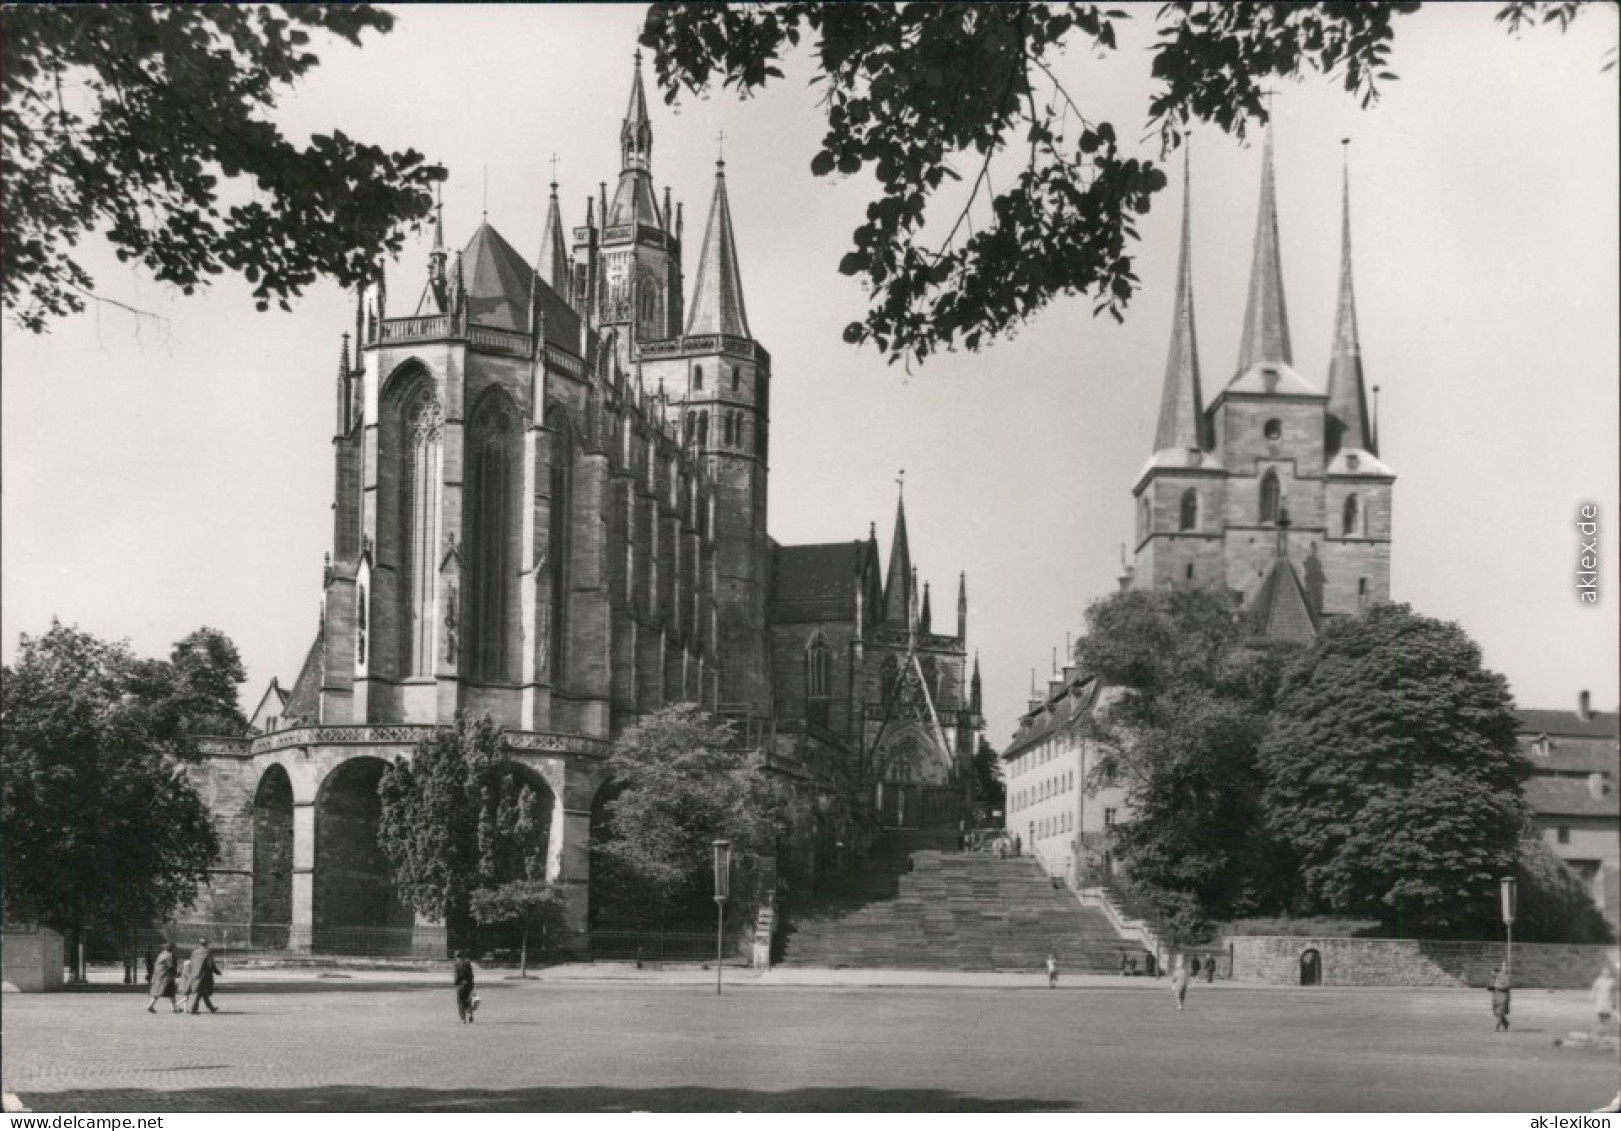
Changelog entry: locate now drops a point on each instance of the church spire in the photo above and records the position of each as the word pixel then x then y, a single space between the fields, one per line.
pixel 1348 424
pixel 636 134
pixel 553 260
pixel 1181 408
pixel 925 620
pixel 717 293
pixel 1266 316
pixel 437 282
pixel 975 695
pixel 898 582
pixel 962 606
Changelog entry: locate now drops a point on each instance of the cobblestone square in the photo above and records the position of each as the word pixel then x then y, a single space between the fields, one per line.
pixel 668 1043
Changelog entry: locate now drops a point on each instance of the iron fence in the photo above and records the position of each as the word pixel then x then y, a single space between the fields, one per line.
pixel 662 946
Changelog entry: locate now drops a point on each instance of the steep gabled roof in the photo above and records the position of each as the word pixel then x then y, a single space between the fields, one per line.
pixel 1571 797
pixel 1348 425
pixel 1599 724
pixel 1281 609
pixel 1181 408
pixel 304 701
pixel 1266 314
pixel 898 580
pixel 815 582
pixel 498 282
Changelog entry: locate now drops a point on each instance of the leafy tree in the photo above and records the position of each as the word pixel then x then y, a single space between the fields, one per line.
pixel 103 829
pixel 1393 773
pixel 1180 727
pixel 922 95
pixel 134 120
pixel 526 902
pixel 457 819
pixel 990 791
pixel 1554 905
pixel 683 782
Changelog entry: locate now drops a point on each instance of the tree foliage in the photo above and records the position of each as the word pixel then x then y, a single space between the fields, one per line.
pixel 529 903
pixel 990 791
pixel 924 96
pixel 133 120
pixel 102 826
pixel 458 817
pixel 1554 905
pixel 1180 727
pixel 683 781
pixel 1393 773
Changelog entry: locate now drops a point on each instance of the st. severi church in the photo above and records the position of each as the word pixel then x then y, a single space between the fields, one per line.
pixel 550 507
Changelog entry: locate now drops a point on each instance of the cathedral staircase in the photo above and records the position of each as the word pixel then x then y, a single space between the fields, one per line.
pixel 918 904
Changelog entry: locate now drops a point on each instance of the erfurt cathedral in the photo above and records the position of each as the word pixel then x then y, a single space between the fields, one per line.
pixel 550 508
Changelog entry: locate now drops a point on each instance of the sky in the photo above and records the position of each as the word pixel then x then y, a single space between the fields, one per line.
pixel 170 472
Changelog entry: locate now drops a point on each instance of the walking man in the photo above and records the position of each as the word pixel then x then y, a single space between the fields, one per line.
pixel 162 983
pixel 1052 971
pixel 1179 982
pixel 464 987
pixel 203 971
pixel 1499 988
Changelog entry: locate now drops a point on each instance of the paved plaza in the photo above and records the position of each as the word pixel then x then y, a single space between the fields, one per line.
pixel 589 1039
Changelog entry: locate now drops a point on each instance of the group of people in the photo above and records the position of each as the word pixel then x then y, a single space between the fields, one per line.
pixel 185 987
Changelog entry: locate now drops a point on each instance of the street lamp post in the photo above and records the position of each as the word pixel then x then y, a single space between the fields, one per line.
pixel 723 887
pixel 1509 891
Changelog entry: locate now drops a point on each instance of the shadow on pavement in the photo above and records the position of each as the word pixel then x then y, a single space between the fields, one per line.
pixel 584 1099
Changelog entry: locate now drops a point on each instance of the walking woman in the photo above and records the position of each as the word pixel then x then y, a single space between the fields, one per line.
pixel 464 987
pixel 163 983
pixel 1179 982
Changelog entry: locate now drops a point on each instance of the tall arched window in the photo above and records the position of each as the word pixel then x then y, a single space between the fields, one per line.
pixel 489 510
pixel 1189 511
pixel 560 530
pixel 421 528
pixel 816 667
pixel 697 376
pixel 703 429
pixel 1271 496
pixel 690 429
pixel 1351 521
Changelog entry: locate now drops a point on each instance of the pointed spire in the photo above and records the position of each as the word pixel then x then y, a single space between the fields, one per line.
pixel 717 294
pixel 1181 407
pixel 962 606
pixel 926 619
pixel 975 696
pixel 897 583
pixel 436 257
pixel 636 133
pixel 1266 316
pixel 553 262
pixel 1348 424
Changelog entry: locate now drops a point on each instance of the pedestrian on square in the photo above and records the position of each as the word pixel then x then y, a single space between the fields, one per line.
pixel 151 960
pixel 162 981
pixel 1052 970
pixel 464 987
pixel 1499 988
pixel 203 972
pixel 1179 982
pixel 1604 995
pixel 1194 971
pixel 1210 969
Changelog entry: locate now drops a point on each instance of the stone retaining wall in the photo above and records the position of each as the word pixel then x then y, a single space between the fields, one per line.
pixel 1276 960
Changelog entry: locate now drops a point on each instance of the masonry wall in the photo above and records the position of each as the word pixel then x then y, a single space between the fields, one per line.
pixel 1275 960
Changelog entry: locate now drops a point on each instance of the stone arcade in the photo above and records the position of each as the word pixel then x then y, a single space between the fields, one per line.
pixel 550 507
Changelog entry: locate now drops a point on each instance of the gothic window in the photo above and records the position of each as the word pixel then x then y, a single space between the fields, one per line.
pixel 420 527
pixel 489 511
pixel 703 429
pixel 1362 592
pixel 697 376
pixel 1143 515
pixel 360 626
pixel 931 676
pixel 816 666
pixel 559 543
pixel 690 429
pixel 1190 571
pixel 1189 516
pixel 1271 496
pixel 1351 520
pixel 737 375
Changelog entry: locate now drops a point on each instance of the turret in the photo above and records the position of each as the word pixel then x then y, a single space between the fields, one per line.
pixel 962 607
pixel 898 579
pixel 552 262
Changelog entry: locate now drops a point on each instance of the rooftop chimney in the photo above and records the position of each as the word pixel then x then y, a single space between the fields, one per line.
pixel 1584 706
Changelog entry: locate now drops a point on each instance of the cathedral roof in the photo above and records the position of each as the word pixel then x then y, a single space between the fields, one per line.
pixel 633 201
pixel 498 282
pixel 1281 609
pixel 717 292
pixel 820 575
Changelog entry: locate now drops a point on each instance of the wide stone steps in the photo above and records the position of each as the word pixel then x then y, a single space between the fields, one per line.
pixel 914 906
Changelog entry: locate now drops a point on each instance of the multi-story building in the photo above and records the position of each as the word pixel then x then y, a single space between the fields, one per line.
pixel 1572 794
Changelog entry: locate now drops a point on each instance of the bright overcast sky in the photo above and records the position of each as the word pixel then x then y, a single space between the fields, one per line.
pixel 161 477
